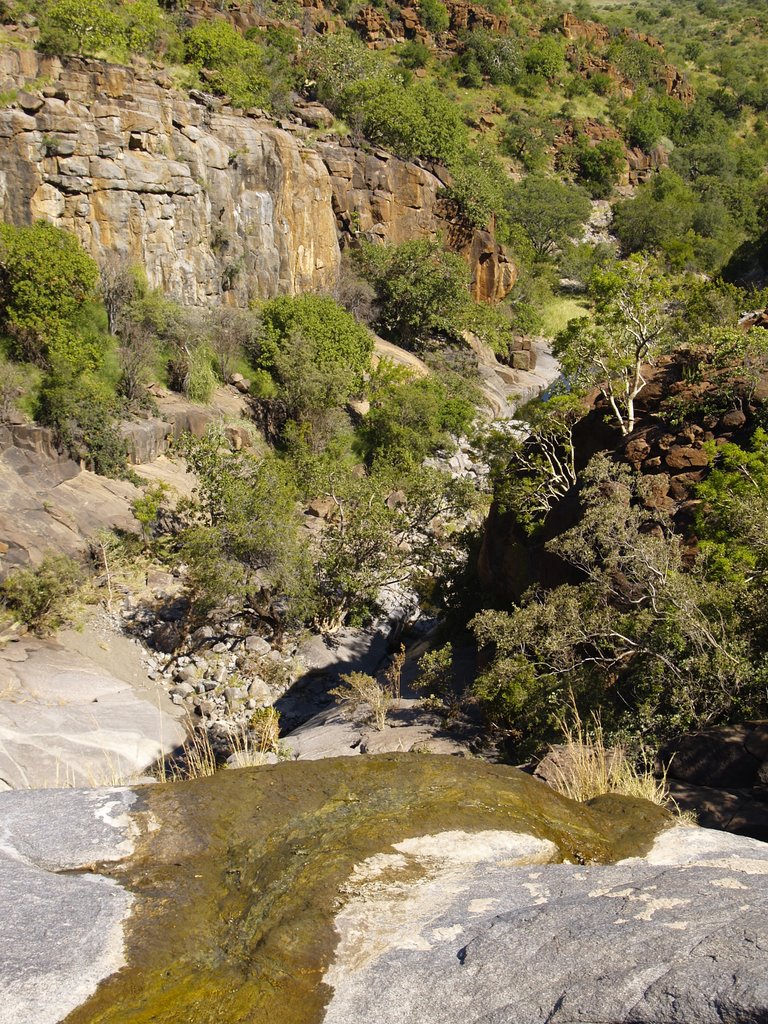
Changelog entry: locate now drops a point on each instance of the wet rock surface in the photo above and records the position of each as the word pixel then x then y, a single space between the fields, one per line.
pixel 399 888
pixel 237 881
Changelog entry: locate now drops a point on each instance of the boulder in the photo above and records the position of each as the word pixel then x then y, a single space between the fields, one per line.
pixel 65 720
pixel 387 888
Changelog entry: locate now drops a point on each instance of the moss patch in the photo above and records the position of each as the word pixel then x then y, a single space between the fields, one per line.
pixel 238 889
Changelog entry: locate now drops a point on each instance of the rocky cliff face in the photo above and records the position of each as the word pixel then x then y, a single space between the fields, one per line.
pixel 210 202
pixel 218 205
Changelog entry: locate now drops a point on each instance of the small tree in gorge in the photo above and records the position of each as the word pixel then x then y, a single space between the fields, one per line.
pixel 627 332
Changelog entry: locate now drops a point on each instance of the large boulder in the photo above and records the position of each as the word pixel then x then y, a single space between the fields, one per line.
pixel 66 720
pixel 383 888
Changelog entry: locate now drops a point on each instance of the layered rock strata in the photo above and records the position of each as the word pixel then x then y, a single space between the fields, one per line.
pixel 218 205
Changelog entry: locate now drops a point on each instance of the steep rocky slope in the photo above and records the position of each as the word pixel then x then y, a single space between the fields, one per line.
pixel 216 204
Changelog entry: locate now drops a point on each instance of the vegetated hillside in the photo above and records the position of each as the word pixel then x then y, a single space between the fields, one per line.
pixel 243 196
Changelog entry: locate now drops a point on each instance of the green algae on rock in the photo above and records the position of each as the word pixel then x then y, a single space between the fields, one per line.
pixel 238 887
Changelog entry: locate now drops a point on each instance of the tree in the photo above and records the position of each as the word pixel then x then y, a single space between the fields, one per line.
pixel 627 332
pixel 545 57
pixel 527 137
pixel 422 288
pixel 645 126
pixel 532 474
pixel 42 597
pixel 732 522
pixel 232 333
pixel 434 15
pixel 241 535
pixel 548 211
pixel 121 284
pixel 45 281
pixel 654 646
pixel 413 121
pixel 79 26
pixel 497 56
pixel 380 533
pixel 599 166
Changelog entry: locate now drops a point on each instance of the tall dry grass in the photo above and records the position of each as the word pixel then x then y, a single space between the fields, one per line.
pixel 592 768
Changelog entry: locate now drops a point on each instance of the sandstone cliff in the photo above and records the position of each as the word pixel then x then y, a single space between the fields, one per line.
pixel 217 204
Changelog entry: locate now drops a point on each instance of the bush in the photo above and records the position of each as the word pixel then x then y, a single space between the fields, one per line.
pixel 413 121
pixel 79 26
pixel 479 186
pixel 237 63
pixel 421 287
pixel 413 54
pixel 434 15
pixel 546 57
pixel 41 598
pixel 46 280
pixel 82 412
pixel 599 167
pixel 645 127
pixel 412 419
pixel 497 57
pixel 548 211
pixel 338 343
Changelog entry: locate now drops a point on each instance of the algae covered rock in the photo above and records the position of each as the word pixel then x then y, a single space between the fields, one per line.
pixel 399 888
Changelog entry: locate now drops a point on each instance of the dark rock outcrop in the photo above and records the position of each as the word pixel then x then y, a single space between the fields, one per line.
pixel 722 776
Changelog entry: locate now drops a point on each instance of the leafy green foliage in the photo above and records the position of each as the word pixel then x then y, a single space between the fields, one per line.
pixel 434 15
pixel 415 120
pixel 82 411
pixel 80 26
pixel 42 597
pixel 335 343
pixel 655 648
pixel 412 418
pixel 495 57
pixel 421 287
pixel 241 537
pixel 732 523
pixel 548 211
pixel 480 186
pixel 381 533
pixel 237 63
pixel 628 330
pixel 598 166
pixel 545 57
pixel 45 281
pixel 645 126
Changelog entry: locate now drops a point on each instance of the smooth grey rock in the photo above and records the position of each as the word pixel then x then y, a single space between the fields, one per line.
pixel 66 720
pixel 257 645
pixel 679 937
pixel 60 934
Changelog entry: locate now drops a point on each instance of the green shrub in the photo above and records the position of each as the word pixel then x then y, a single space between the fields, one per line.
pixel 82 411
pixel 599 167
pixel 423 289
pixel 79 26
pixel 46 280
pixel 413 54
pixel 41 598
pixel 201 380
pixel 413 121
pixel 237 63
pixel 546 57
pixel 434 15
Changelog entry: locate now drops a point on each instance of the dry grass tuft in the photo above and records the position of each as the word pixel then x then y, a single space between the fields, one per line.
pixel 591 768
